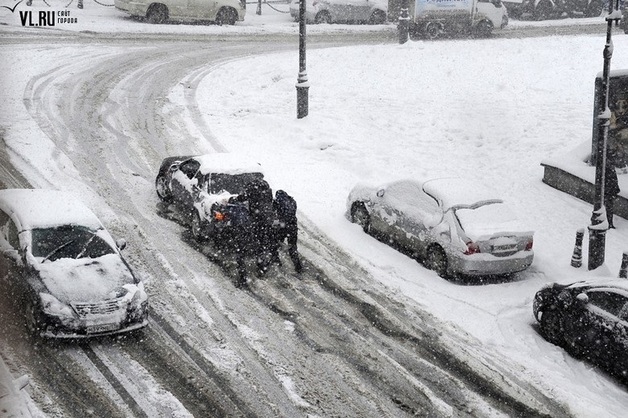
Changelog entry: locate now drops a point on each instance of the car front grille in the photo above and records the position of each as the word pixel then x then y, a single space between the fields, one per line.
pixel 101 308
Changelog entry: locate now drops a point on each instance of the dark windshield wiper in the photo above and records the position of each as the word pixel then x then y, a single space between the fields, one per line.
pixel 57 249
pixel 80 254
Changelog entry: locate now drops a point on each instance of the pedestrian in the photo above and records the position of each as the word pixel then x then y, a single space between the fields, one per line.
pixel 286 209
pixel 611 189
pixel 259 196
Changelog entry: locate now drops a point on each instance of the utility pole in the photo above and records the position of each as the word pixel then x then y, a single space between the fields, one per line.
pixel 303 85
pixel 599 223
pixel 404 22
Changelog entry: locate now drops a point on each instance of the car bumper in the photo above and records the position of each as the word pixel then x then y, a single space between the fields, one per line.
pixel 486 264
pixel 84 329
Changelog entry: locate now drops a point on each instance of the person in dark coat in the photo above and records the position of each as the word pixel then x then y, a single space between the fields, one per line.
pixel 259 196
pixel 611 189
pixel 286 209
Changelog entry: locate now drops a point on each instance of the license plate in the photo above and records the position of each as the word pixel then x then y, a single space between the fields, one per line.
pixel 504 247
pixel 94 329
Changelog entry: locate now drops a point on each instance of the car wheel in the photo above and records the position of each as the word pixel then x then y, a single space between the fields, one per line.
pixel 543 10
pixel 552 327
pixel 226 16
pixel 484 29
pixel 157 13
pixel 163 189
pixel 322 17
pixel 436 260
pixel 198 228
pixel 433 30
pixel 594 9
pixel 360 216
pixel 378 17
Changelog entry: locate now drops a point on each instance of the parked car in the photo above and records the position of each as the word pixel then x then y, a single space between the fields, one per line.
pixel 203 189
pixel 222 12
pixel 589 318
pixel 453 225
pixel 332 11
pixel 310 10
pixel 65 269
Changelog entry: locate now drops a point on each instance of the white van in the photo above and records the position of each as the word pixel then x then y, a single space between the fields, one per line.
pixel 222 12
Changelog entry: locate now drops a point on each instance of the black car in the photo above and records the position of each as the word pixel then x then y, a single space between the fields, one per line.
pixel 205 190
pixel 589 319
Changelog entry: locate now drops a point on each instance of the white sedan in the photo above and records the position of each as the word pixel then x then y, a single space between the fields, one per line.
pixel 454 226
pixel 64 269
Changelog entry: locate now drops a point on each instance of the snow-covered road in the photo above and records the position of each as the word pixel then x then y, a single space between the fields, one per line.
pixel 334 343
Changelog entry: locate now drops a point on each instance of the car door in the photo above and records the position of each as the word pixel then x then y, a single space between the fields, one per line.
pixel 361 9
pixel 383 214
pixel 418 216
pixel 201 9
pixel 593 331
pixel 340 10
pixel 184 183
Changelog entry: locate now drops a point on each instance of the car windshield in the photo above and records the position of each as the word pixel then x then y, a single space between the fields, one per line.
pixel 68 241
pixel 232 183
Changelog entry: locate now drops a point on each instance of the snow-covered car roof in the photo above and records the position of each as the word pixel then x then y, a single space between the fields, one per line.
pixel 227 163
pixel 39 208
pixel 456 191
pixel 602 283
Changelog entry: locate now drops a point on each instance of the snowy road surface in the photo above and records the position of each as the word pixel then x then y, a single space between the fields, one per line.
pixel 335 342
pixel 331 344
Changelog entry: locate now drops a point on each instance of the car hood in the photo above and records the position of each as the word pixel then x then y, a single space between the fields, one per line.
pixel 85 279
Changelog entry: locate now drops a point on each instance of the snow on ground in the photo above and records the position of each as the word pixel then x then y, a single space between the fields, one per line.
pixel 490 110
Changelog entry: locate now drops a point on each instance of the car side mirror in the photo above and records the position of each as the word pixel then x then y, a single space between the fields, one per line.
pixel 121 244
pixel 381 193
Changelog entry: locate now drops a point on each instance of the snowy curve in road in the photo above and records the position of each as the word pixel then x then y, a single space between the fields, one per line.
pixel 334 343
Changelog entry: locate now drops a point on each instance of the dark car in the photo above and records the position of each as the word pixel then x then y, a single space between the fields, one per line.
pixel 205 189
pixel 589 319
pixel 64 269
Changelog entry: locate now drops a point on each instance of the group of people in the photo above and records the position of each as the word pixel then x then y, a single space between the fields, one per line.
pixel 272 221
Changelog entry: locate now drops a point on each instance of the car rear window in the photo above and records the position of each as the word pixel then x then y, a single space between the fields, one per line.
pixel 232 183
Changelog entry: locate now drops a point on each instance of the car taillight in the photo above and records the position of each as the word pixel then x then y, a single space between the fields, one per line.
pixel 219 216
pixel 529 245
pixel 472 248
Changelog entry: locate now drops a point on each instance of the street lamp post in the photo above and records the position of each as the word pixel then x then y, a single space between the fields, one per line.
pixel 404 22
pixel 599 224
pixel 303 85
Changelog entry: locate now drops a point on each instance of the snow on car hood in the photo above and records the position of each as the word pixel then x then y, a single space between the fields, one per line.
pixel 85 279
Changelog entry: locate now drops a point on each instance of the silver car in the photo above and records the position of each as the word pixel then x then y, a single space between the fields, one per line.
pixel 454 226
pixel 331 11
